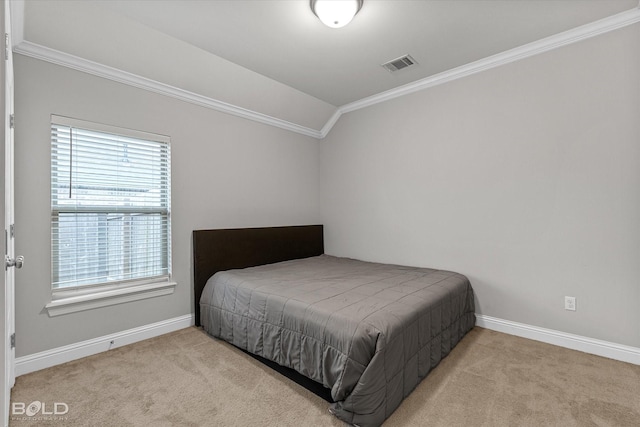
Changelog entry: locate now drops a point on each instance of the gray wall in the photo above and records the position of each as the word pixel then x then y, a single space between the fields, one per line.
pixel 525 177
pixel 227 172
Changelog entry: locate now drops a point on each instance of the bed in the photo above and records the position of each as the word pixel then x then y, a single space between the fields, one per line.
pixel 365 332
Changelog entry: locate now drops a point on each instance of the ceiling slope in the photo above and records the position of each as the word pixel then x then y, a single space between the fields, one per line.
pixel 84 35
pixel 108 39
pixel 283 39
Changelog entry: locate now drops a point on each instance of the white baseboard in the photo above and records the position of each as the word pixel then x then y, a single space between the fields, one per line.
pixel 575 342
pixel 67 353
pixel 57 356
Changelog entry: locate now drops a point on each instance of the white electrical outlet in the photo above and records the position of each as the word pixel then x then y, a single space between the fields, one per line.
pixel 570 303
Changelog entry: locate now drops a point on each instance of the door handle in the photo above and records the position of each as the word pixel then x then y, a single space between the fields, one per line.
pixel 13 262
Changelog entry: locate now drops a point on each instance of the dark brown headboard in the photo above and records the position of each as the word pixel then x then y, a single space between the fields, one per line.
pixel 226 249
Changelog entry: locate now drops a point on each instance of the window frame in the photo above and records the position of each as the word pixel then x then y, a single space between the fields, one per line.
pixel 72 299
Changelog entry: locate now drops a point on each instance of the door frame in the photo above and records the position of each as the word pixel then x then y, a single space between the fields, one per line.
pixel 6 214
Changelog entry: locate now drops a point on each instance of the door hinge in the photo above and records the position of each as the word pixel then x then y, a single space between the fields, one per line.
pixel 12 231
pixel 13 340
pixel 12 121
pixel 6 46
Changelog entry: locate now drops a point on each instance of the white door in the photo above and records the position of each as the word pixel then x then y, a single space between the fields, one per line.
pixel 6 215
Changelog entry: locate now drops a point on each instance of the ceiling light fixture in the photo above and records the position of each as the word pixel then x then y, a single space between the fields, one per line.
pixel 336 13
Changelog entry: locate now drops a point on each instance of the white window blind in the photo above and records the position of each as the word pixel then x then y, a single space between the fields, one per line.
pixel 110 204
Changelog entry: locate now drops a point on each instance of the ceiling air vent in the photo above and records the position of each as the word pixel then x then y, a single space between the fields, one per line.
pixel 399 63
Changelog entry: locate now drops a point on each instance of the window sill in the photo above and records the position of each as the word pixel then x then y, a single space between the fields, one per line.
pixel 73 304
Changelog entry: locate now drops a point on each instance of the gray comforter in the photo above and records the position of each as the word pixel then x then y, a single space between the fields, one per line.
pixel 369 332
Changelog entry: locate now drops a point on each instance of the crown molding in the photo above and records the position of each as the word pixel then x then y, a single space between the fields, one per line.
pixel 74 62
pixel 577 34
pixel 583 32
pixel 330 123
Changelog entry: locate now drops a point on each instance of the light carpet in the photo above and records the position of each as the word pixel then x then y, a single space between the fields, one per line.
pixel 187 378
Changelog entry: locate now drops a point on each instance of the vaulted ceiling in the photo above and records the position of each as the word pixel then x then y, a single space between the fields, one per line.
pixel 274 59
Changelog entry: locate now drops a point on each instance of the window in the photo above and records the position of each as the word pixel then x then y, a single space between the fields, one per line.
pixel 110 208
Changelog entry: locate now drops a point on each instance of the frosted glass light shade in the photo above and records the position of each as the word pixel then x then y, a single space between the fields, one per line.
pixel 335 13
